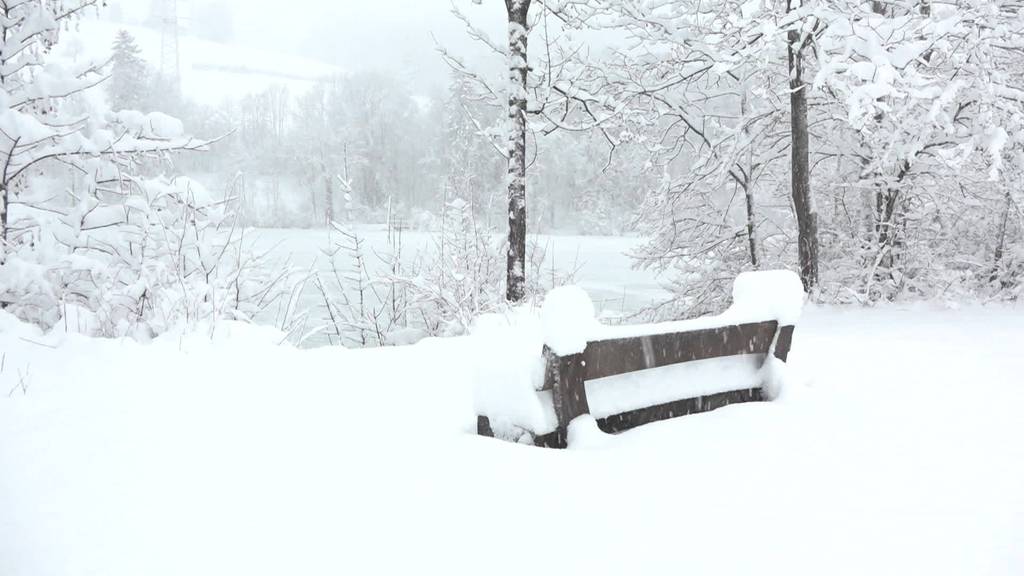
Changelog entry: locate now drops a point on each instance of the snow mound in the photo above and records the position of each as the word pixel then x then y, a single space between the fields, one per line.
pixel 76 320
pixel 11 325
pixel 508 369
pixel 568 318
pixel 769 294
pixel 774 375
pixel 583 434
pixel 221 337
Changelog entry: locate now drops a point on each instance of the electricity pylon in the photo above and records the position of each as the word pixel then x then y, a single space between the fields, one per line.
pixel 170 59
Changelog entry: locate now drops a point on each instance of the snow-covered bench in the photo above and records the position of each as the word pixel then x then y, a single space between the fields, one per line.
pixel 627 376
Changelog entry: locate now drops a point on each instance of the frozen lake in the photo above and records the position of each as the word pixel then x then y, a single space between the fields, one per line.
pixel 602 264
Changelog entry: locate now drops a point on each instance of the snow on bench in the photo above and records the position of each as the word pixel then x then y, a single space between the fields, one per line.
pixel 627 376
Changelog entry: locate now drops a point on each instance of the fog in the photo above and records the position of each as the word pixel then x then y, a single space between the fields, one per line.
pixel 392 36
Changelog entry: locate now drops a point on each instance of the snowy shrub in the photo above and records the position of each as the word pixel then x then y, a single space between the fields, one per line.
pixel 387 298
pixel 379 299
pixel 363 307
pixel 461 278
pixel 90 241
pixel 165 254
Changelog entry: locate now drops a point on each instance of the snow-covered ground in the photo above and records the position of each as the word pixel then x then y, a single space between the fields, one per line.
pixel 896 449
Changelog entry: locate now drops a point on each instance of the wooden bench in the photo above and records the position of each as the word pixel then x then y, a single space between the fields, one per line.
pixel 565 376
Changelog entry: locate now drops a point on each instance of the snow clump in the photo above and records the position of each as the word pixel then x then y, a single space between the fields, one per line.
pixel 568 319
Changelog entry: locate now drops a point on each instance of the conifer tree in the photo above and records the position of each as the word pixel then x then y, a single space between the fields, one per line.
pixel 127 85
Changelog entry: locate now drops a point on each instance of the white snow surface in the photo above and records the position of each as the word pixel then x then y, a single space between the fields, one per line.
pixel 757 297
pixel 508 369
pixel 616 394
pixel 568 317
pixel 898 451
pixel 767 295
pixel 583 434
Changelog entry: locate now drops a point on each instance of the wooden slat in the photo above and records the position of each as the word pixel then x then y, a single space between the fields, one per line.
pixel 783 343
pixel 556 439
pixel 626 420
pixel 568 392
pixel 483 426
pixel 620 356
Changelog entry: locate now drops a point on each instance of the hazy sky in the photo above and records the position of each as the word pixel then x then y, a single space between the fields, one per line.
pixel 392 35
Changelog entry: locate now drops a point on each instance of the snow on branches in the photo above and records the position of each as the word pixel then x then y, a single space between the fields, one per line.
pixel 914 114
pixel 83 234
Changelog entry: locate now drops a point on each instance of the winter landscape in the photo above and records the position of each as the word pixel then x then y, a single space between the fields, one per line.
pixel 520 287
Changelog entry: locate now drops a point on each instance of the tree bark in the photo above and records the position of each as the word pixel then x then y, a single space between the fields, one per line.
pixel 751 226
pixel 997 257
pixel 803 204
pixel 748 180
pixel 3 224
pixel 517 70
pixel 3 217
pixel 329 198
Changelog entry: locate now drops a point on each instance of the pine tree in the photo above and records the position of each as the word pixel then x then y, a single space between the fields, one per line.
pixel 127 85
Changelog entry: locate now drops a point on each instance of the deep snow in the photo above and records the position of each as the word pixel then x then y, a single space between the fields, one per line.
pixel 898 451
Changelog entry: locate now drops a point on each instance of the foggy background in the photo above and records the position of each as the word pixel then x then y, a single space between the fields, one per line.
pixel 393 36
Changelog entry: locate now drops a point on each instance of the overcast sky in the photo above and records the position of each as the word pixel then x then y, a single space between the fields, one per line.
pixel 390 35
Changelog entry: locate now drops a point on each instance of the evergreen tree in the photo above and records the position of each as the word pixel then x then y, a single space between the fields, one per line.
pixel 127 85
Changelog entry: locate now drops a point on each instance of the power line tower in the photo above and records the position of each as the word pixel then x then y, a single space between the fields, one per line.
pixel 170 59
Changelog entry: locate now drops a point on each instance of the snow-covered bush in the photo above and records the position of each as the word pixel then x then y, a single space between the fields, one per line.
pixel 166 254
pixel 364 306
pixel 91 239
pixel 461 278
pixel 384 298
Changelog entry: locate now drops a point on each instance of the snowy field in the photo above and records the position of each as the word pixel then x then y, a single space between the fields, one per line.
pixel 896 449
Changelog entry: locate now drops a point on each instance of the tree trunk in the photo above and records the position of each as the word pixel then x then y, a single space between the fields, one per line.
pixel 329 198
pixel 748 180
pixel 890 227
pixel 751 228
pixel 517 70
pixel 3 220
pixel 3 224
pixel 803 204
pixel 997 257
